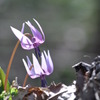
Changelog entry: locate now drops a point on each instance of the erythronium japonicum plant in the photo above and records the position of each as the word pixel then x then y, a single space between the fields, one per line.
pixel 39 70
pixel 28 41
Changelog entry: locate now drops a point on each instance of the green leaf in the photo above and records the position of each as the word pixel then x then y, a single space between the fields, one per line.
pixel 10 98
pixel 14 91
pixel 2 81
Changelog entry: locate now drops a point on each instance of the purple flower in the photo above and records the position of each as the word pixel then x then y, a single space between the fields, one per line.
pixel 33 40
pixel 46 67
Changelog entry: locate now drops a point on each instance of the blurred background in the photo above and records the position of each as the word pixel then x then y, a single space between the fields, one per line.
pixel 71 27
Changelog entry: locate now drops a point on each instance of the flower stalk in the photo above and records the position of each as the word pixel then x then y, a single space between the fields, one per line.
pixel 11 59
pixel 26 77
pixel 43 81
pixel 10 62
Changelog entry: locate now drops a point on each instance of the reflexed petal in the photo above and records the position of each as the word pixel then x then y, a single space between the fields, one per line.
pixel 49 62
pixel 26 44
pixel 45 54
pixel 40 28
pixel 22 30
pixel 30 70
pixel 37 35
pixel 29 62
pixel 24 39
pixel 17 33
pixel 30 73
pixel 30 65
pixel 44 65
pixel 37 68
pixel 35 32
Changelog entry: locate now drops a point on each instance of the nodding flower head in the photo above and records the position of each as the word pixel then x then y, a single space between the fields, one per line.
pixel 36 70
pixel 33 40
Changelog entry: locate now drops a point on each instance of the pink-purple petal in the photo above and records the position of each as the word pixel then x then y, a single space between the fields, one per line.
pixel 35 32
pixel 49 62
pixel 22 30
pixel 44 64
pixel 24 39
pixel 34 76
pixel 27 46
pixel 40 28
pixel 17 33
pixel 37 68
pixel 28 62
pixel 27 68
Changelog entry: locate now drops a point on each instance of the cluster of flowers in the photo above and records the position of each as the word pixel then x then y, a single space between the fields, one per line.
pixel 33 41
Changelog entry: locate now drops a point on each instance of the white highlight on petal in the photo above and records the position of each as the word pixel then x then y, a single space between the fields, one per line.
pixel 27 68
pixel 37 68
pixel 21 36
pixel 44 64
